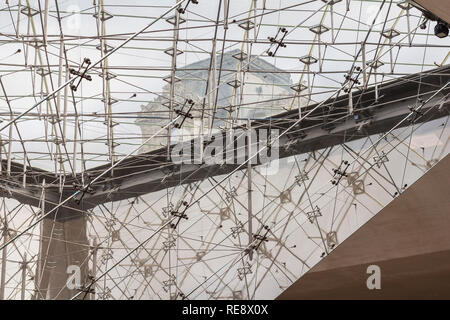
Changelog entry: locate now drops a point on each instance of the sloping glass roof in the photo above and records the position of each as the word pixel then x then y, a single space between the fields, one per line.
pixel 85 86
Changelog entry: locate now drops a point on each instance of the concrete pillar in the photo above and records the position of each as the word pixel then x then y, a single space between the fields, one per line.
pixel 64 248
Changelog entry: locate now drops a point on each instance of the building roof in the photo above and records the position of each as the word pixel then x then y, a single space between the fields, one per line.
pixel 230 64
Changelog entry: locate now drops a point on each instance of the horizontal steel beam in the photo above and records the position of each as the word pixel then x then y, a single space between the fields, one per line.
pixel 376 110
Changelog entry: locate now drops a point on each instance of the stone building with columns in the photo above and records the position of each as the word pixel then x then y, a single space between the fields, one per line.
pixel 249 88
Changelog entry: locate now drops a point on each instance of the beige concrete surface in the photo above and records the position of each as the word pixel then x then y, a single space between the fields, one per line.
pixel 440 8
pixel 410 241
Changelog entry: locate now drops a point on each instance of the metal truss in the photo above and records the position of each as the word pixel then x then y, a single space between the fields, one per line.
pixel 94 97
